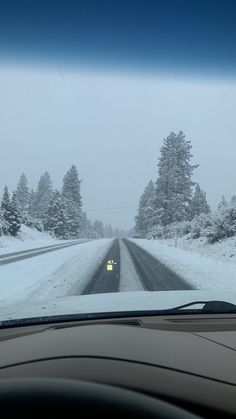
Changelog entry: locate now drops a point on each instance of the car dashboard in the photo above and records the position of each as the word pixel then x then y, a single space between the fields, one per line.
pixel 188 361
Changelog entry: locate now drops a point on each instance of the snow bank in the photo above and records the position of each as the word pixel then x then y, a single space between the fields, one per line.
pixel 28 238
pixel 203 270
pixel 224 250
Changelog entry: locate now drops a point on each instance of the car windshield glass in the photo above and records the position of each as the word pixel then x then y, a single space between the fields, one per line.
pixel 117 175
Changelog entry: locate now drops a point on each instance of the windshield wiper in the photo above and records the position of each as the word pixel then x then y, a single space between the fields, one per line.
pixel 209 307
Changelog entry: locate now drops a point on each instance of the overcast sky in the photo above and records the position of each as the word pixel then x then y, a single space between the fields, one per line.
pixel 111 126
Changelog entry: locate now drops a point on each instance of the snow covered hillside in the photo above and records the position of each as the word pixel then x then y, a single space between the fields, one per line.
pixel 27 238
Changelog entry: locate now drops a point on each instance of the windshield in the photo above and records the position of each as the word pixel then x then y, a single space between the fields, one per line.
pixel 117 174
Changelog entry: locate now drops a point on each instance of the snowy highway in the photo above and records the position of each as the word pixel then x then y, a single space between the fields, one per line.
pixel 150 274
pixel 32 275
pixel 81 268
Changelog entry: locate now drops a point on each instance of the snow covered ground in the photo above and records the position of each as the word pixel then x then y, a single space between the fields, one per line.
pixel 207 267
pixel 52 275
pixel 224 250
pixel 28 238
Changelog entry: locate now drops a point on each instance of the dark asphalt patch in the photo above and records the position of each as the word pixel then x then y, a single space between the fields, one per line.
pixel 105 280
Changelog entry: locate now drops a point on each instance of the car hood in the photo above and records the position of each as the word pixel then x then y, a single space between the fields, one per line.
pixel 110 303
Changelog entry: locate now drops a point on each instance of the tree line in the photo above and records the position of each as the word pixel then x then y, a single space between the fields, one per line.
pixel 59 212
pixel 175 205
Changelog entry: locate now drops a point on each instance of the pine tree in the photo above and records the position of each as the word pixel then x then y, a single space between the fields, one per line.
pixel 223 204
pixel 198 203
pixel 55 218
pixel 32 208
pixel 4 227
pixel 42 197
pixel 22 194
pixel 71 186
pixel 72 197
pixel 233 201
pixel 206 207
pixel 173 191
pixel 6 210
pixel 86 230
pixel 145 211
pixel 15 216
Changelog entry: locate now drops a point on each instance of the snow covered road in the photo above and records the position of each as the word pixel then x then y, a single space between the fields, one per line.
pixel 79 269
pixel 139 265
pixel 150 274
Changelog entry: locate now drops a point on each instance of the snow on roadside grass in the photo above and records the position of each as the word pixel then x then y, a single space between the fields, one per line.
pixel 201 271
pixel 51 275
pixel 224 250
pixel 28 238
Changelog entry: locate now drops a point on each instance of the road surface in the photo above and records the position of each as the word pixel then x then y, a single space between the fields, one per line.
pixel 125 267
pixel 153 275
pixel 103 279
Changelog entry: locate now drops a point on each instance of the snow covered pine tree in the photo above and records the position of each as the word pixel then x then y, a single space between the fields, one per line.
pixel 15 216
pixel 10 213
pixel 6 211
pixel 144 218
pixel 73 202
pixel 55 219
pixel 198 204
pixel 41 197
pixel 173 191
pixel 23 196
